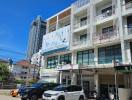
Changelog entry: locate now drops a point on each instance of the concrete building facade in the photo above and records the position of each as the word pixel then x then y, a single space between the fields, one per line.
pixel 100 43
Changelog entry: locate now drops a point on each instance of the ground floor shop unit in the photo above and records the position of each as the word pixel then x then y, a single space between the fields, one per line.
pixel 101 80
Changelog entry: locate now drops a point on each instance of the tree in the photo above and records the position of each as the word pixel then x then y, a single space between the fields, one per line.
pixel 4 72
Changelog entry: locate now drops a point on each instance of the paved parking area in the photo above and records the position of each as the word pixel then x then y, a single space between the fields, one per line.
pixel 5 97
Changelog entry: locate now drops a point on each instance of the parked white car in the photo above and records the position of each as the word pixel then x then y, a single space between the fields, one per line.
pixel 72 92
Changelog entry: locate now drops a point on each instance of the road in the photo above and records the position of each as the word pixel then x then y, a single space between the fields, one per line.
pixel 4 97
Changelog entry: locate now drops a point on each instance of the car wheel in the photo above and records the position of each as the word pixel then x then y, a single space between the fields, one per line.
pixel 81 98
pixel 61 98
pixel 34 97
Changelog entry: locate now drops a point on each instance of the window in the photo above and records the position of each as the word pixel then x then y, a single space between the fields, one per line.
pixel 107 11
pixel 66 59
pixel 52 62
pixel 73 88
pixel 127 1
pixel 108 54
pixel 85 57
pixel 107 30
pixel 83 21
pixel 129 21
pixel 83 37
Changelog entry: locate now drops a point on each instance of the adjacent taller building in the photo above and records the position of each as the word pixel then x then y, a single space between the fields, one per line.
pixel 38 29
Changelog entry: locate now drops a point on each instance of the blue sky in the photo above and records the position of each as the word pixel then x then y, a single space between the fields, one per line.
pixel 15 19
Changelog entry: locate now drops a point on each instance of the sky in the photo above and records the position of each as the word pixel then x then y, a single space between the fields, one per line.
pixel 15 20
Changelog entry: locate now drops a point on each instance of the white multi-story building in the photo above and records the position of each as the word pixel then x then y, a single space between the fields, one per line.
pixel 86 41
pixel 25 71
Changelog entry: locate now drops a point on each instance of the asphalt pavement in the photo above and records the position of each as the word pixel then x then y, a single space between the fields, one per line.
pixel 6 97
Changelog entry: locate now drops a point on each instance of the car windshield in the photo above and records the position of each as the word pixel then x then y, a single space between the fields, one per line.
pixel 37 85
pixel 60 88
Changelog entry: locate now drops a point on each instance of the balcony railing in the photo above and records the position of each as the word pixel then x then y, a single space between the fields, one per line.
pixel 106 36
pixel 80 3
pixel 128 30
pixel 81 24
pixel 128 5
pixel 80 42
pixel 104 15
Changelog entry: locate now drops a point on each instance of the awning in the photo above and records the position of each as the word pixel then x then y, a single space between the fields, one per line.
pixel 54 51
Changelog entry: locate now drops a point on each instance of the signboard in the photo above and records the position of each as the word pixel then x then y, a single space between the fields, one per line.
pixel 57 40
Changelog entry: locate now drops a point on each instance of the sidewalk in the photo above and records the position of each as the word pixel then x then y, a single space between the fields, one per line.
pixel 5 92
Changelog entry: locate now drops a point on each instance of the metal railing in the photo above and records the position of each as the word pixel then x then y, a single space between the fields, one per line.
pixel 106 36
pixel 104 15
pixel 129 30
pixel 80 3
pixel 80 42
pixel 128 5
pixel 81 24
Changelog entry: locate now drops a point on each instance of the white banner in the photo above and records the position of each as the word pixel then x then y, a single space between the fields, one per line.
pixel 56 40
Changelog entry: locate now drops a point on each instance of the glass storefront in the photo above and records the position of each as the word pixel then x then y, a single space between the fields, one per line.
pixel 65 59
pixel 52 62
pixel 85 57
pixel 110 53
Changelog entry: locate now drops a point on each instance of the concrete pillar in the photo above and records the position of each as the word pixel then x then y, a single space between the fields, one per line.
pixel 96 56
pixel 96 81
pixel 57 24
pixel 47 28
pixel 60 77
pixel 92 18
pixel 72 26
pixel 131 80
pixel 127 52
pixel 127 80
pixel 73 79
pixel 120 26
pixel 74 57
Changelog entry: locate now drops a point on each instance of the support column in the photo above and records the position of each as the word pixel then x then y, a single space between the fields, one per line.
pixel 72 26
pixel 74 57
pixel 127 52
pixel 96 81
pixel 61 75
pixel 57 24
pixel 131 80
pixel 92 18
pixel 96 56
pixel 120 26
pixel 73 79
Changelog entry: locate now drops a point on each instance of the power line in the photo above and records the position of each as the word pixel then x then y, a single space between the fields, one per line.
pixel 11 51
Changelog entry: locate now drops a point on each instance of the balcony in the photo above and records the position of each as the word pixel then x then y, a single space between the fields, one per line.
pixel 103 38
pixel 104 17
pixel 78 44
pixel 128 5
pixel 127 8
pixel 97 1
pixel 128 32
pixel 81 25
pixel 80 4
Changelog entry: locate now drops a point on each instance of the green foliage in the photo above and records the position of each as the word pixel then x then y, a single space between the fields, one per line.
pixel 4 72
pixel 32 81
pixel 19 81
